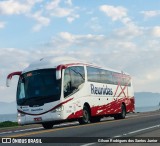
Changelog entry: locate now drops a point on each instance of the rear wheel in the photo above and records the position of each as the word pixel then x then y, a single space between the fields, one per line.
pixel 122 114
pixel 86 116
pixel 116 117
pixel 48 125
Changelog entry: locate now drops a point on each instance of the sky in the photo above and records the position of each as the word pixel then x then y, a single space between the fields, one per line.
pixel 120 34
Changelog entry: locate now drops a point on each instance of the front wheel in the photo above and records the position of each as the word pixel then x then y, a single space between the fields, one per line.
pixel 86 116
pixel 47 125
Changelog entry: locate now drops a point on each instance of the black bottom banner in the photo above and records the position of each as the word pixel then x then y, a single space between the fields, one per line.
pixel 80 140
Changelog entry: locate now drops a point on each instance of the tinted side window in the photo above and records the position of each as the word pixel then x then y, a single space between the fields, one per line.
pixel 99 75
pixel 106 76
pixel 116 78
pixel 122 80
pixel 93 74
pixel 73 78
pixel 127 81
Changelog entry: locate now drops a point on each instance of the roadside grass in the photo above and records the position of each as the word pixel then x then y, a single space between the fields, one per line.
pixel 8 124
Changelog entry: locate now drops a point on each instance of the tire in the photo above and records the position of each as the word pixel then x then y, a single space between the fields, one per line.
pixel 48 125
pixel 86 116
pixel 122 114
pixel 116 117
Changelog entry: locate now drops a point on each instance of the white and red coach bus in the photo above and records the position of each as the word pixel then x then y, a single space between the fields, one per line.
pixel 54 90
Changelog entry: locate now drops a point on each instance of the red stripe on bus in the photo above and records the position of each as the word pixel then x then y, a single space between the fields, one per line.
pixel 62 103
pixel 107 109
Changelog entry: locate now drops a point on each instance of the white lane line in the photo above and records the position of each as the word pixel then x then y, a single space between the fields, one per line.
pixel 28 129
pixel 66 124
pixel 21 130
pixel 144 129
pixel 8 132
pixel 117 136
pixel 87 144
pixel 137 131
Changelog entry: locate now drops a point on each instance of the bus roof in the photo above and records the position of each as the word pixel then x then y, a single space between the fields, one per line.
pixel 53 62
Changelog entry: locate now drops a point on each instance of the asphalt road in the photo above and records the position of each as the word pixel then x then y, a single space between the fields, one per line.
pixel 136 126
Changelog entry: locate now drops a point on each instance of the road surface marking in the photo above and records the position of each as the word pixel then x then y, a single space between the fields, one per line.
pixel 22 130
pixel 88 144
pixel 126 134
pixel 137 131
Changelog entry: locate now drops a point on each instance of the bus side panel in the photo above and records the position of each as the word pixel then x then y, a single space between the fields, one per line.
pixel 100 105
pixel 130 107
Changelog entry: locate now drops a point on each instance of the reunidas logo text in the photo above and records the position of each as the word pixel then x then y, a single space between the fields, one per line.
pixel 101 90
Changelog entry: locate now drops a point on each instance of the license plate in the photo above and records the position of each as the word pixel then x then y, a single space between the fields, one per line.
pixel 38 119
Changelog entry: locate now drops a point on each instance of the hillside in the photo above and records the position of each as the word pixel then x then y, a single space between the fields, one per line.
pixel 143 99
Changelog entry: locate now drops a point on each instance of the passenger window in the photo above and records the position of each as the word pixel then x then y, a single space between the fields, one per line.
pixel 93 74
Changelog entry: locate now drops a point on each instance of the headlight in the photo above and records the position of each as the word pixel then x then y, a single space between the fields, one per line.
pixel 20 114
pixel 58 109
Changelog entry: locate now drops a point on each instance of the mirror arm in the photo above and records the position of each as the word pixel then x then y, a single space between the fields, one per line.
pixel 9 77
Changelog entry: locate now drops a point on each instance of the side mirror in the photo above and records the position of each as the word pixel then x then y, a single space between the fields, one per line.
pixel 58 71
pixel 8 82
pixel 9 77
pixel 58 74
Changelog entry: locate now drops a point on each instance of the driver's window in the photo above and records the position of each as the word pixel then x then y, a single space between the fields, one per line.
pixel 21 91
pixel 67 82
pixel 73 78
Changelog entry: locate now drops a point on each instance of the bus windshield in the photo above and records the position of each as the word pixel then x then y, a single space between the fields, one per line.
pixel 38 87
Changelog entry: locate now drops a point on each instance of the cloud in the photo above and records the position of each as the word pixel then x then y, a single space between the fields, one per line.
pixel 55 9
pixel 150 14
pixel 13 7
pixel 68 40
pixel 129 32
pixel 2 24
pixel 10 7
pixel 156 31
pixel 17 7
pixel 69 2
pixel 94 24
pixel 42 13
pixel 52 5
pixel 71 18
pixel 116 13
pixel 41 20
